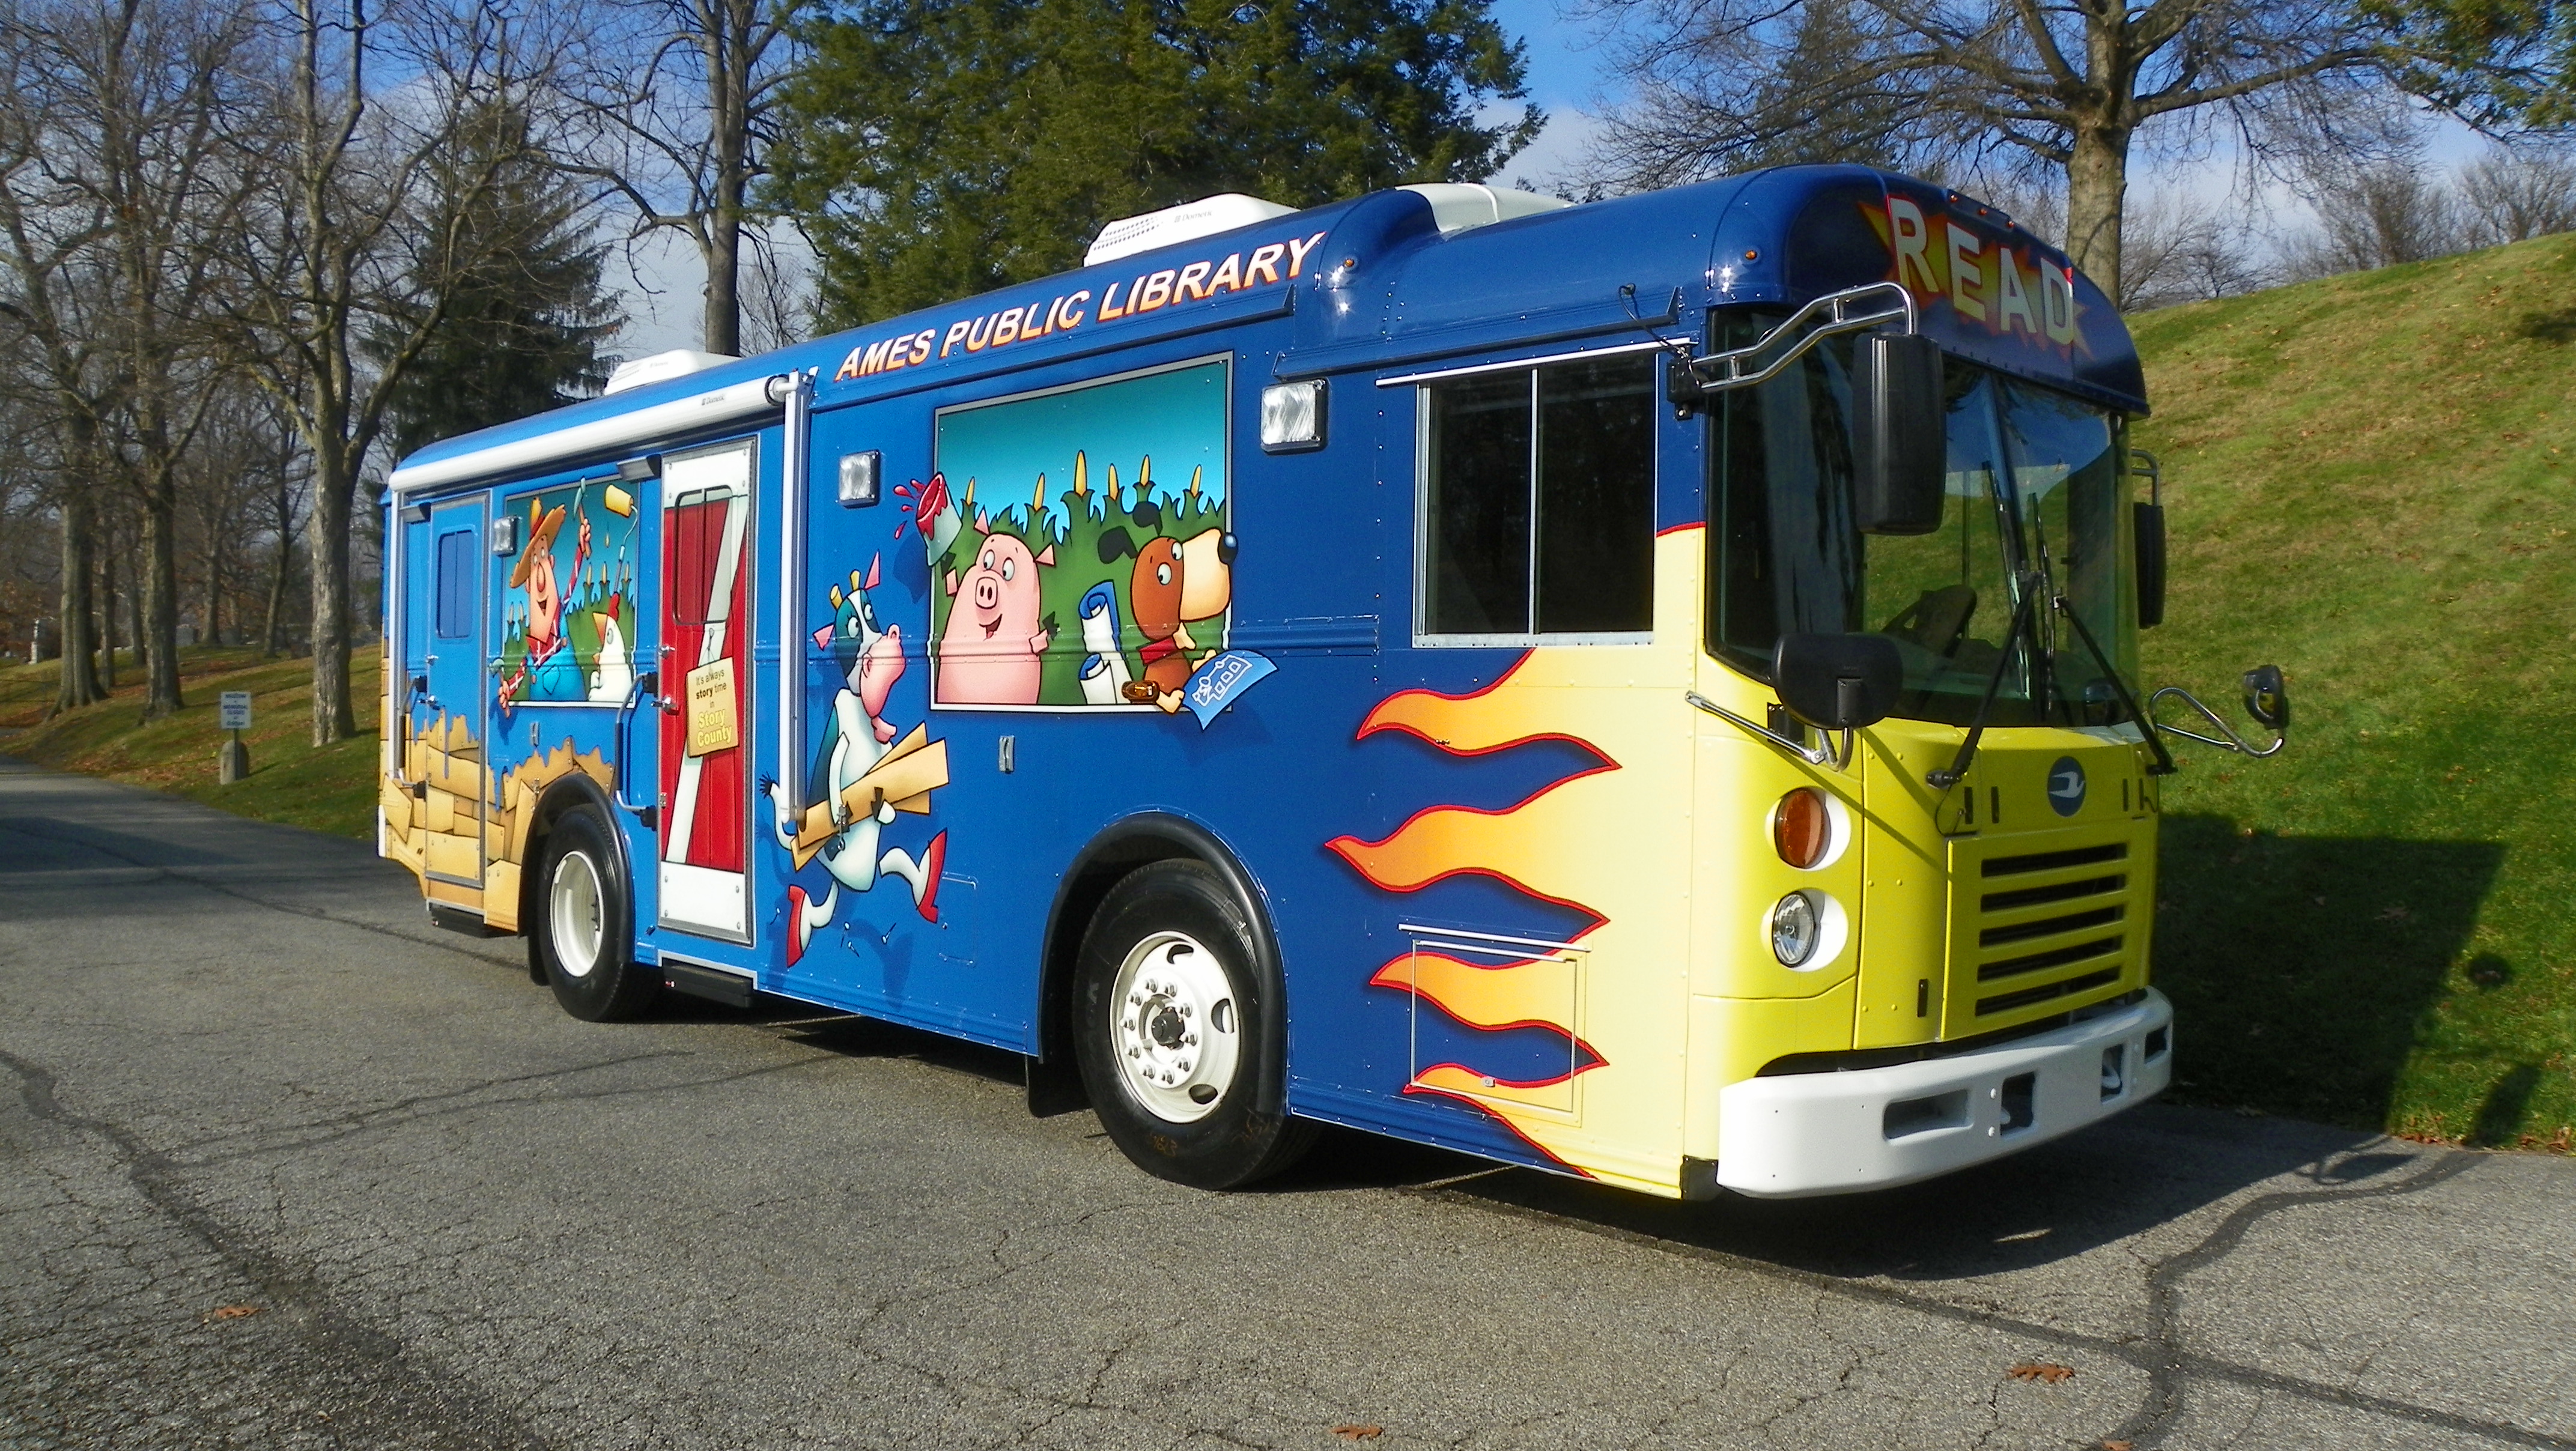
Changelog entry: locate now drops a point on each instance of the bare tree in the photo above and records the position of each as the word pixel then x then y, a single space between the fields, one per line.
pixel 2374 216
pixel 677 103
pixel 114 178
pixel 288 488
pixel 2062 91
pixel 778 298
pixel 2181 247
pixel 349 276
pixel 2516 193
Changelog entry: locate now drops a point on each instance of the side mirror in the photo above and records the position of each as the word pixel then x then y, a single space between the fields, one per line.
pixel 2148 523
pixel 2267 698
pixel 1837 682
pixel 1900 434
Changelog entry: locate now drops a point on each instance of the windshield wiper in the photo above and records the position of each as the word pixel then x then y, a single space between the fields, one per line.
pixel 2164 765
pixel 1950 775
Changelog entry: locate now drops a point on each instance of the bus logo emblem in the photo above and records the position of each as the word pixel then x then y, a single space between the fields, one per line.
pixel 2066 786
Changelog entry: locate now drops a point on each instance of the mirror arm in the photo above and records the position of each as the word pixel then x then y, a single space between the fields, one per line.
pixel 2164 765
pixel 1812 755
pixel 1950 775
pixel 2233 741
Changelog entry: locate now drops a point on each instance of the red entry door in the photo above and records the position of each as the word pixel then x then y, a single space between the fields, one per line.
pixel 706 617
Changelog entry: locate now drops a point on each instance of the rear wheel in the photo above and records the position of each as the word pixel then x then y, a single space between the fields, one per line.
pixel 586 923
pixel 1169 1011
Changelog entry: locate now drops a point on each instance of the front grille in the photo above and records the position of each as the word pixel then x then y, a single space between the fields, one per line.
pixel 2050 861
pixel 2006 1002
pixel 2038 928
pixel 2062 892
pixel 2043 961
pixel 2048 927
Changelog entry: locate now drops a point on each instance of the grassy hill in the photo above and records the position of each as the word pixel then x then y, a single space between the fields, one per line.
pixel 332 789
pixel 2373 484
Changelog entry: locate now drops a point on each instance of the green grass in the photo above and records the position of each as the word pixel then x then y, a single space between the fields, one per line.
pixel 332 789
pixel 2372 482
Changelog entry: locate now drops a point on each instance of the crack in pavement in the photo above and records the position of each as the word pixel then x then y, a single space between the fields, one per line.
pixel 2159 1354
pixel 350 1125
pixel 380 1385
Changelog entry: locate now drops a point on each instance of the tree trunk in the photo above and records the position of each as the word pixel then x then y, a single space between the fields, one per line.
pixel 134 606
pixel 78 683
pixel 273 630
pixel 107 609
pixel 2097 181
pixel 215 530
pixel 158 631
pixel 327 546
pixel 723 256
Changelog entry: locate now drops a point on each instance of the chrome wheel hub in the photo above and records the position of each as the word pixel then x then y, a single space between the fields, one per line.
pixel 573 914
pixel 1174 1028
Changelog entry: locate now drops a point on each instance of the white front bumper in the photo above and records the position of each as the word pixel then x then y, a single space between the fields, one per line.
pixel 1831 1133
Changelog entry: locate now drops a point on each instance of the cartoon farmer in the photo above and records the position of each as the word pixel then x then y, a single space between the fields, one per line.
pixel 548 671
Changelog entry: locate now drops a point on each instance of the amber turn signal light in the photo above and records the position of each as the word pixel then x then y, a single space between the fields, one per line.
pixel 1800 829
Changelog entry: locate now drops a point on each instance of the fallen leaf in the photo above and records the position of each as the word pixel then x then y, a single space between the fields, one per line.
pixel 2115 1446
pixel 232 1312
pixel 1359 1433
pixel 2041 1370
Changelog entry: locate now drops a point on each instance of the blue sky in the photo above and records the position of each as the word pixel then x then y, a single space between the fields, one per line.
pixel 1569 74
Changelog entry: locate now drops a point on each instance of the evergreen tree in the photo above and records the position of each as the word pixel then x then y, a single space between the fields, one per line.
pixel 939 148
pixel 526 319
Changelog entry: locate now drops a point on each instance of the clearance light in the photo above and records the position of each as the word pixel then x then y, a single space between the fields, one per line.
pixel 1800 827
pixel 1794 929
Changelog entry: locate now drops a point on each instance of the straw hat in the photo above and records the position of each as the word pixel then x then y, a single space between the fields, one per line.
pixel 543 525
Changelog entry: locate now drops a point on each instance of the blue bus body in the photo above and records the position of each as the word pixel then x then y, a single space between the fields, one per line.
pixel 538 659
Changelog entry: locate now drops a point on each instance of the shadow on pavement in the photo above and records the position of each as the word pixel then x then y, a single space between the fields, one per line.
pixel 2059 1200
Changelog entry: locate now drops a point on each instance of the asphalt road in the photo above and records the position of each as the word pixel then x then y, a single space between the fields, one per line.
pixel 244 1073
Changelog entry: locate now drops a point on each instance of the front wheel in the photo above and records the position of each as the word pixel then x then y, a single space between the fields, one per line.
pixel 586 923
pixel 1169 1011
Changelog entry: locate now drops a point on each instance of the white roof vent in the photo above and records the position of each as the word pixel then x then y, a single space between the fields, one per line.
pixel 677 363
pixel 1459 206
pixel 1205 217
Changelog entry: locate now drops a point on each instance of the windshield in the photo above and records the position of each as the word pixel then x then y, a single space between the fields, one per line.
pixel 2034 501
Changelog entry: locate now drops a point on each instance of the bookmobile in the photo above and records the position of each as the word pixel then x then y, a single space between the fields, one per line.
pixel 1644 690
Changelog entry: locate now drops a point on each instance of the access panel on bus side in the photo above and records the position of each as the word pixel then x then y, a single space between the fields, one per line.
pixel 1522 863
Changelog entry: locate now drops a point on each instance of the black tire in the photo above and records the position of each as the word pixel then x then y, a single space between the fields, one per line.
pixel 583 909
pixel 1153 927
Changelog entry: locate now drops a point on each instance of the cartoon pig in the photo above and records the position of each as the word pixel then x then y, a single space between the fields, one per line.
pixel 991 651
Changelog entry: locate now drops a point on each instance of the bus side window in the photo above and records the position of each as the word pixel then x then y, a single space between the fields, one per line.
pixel 1539 503
pixel 453 619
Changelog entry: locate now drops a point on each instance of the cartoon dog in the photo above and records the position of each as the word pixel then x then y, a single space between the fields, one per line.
pixel 857 737
pixel 1176 583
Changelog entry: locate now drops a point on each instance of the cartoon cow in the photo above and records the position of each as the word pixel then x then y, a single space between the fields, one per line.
pixel 1175 584
pixel 993 651
pixel 856 737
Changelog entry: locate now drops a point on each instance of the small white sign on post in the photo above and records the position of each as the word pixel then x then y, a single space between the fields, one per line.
pixel 236 709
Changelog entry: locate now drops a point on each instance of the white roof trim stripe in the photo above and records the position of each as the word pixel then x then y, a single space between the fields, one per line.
pixel 599 436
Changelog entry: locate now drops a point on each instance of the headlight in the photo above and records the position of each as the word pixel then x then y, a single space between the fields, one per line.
pixel 1794 929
